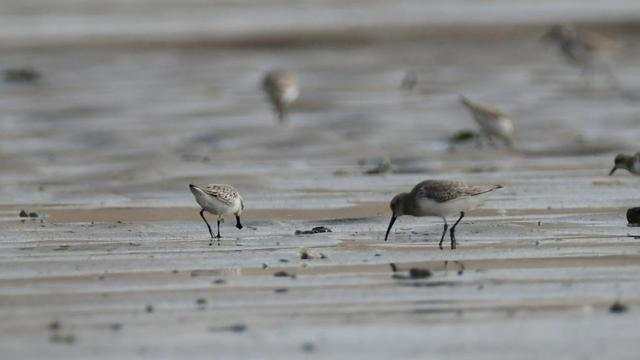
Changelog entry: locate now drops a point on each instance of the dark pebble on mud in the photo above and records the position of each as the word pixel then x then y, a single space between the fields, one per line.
pixel 54 325
pixel 149 309
pixel 235 328
pixel 115 326
pixel 617 308
pixel 284 274
pixel 315 230
pixel 219 281
pixel 463 136
pixel 31 214
pixel 308 347
pixel 280 290
pixel 416 273
pixel 633 216
pixel 22 75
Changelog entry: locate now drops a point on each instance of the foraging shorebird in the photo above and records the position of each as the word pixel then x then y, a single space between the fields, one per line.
pixel 627 162
pixel 586 50
pixel 493 123
pixel 218 199
pixel 438 198
pixel 282 89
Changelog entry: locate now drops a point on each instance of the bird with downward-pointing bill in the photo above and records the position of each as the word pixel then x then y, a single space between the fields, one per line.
pixel 218 199
pixel 439 198
pixel 630 163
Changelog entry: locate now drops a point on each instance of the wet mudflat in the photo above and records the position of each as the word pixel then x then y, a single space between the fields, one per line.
pixel 155 288
pixel 117 264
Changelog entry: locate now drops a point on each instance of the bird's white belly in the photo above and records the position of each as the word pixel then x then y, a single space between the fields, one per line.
pixel 290 94
pixel 428 207
pixel 212 205
pixel 502 127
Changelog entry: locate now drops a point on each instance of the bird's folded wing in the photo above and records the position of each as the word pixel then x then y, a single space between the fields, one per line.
pixel 223 193
pixel 439 190
pixel 490 111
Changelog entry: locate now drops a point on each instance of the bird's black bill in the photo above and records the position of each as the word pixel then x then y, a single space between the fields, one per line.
pixel 613 170
pixel 238 225
pixel 393 219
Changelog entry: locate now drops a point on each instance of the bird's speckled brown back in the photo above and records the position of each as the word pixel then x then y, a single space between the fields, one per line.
pixel 445 190
pixel 226 194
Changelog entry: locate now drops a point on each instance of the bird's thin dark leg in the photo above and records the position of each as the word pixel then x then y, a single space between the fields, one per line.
pixel 282 111
pixel 217 236
pixel 444 232
pixel 588 75
pixel 206 222
pixel 453 229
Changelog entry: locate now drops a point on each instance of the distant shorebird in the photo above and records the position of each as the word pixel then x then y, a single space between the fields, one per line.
pixel 282 89
pixel 627 162
pixel 586 50
pixel 438 198
pixel 492 122
pixel 218 199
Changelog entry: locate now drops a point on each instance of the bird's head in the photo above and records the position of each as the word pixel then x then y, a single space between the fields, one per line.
pixel 621 161
pixel 397 205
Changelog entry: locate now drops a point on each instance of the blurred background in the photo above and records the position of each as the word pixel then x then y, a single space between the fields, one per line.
pixel 133 99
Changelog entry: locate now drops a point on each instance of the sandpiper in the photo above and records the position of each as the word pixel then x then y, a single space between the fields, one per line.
pixel 438 198
pixel 282 89
pixel 627 162
pixel 583 49
pixel 218 199
pixel 493 122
